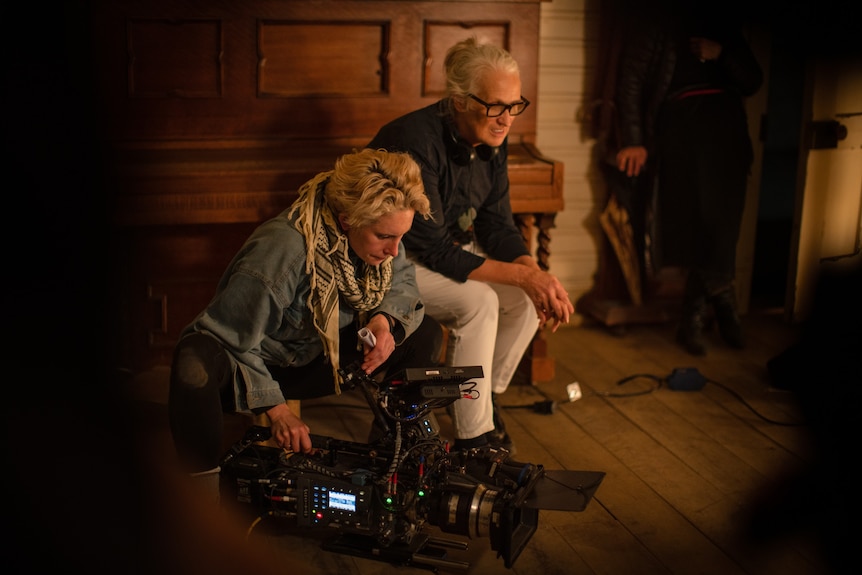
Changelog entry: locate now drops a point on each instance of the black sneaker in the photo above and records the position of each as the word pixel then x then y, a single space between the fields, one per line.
pixel 499 440
pixel 473 443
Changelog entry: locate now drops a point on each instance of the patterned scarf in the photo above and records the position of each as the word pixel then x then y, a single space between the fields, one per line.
pixel 330 270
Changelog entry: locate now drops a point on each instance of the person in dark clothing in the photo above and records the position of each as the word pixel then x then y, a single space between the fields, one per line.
pixel 683 77
pixel 474 271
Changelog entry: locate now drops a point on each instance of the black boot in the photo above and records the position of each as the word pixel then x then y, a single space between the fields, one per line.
pixel 690 332
pixel 499 426
pixel 729 326
pixel 499 438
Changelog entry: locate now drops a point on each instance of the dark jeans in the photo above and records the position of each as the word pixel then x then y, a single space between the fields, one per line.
pixel 201 387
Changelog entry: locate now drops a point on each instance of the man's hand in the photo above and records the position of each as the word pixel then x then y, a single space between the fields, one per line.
pixel 631 160
pixel 288 430
pixel 545 290
pixel 551 300
pixel 704 48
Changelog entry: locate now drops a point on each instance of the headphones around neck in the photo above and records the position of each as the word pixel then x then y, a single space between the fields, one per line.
pixel 462 153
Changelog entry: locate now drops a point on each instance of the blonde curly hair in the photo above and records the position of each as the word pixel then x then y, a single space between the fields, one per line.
pixel 368 184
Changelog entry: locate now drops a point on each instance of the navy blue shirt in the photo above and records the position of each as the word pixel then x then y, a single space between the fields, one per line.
pixel 469 201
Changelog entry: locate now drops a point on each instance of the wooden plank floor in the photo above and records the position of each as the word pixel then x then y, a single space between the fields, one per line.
pixel 684 469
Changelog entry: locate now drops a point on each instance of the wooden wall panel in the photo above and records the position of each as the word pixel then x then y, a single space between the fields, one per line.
pixel 238 73
pixel 300 59
pixel 175 58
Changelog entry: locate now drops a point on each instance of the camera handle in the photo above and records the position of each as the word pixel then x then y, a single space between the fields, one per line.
pixel 353 376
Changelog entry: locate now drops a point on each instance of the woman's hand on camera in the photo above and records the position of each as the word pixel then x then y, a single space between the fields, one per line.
pixel 288 430
pixel 383 346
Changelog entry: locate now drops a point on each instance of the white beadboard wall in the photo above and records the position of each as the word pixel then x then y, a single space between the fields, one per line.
pixel 566 84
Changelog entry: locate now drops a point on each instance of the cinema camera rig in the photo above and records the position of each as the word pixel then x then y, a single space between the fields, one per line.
pixel 380 496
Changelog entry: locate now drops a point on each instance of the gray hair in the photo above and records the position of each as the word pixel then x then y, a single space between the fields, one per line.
pixel 468 61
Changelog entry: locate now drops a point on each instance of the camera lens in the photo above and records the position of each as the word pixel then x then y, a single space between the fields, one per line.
pixel 462 511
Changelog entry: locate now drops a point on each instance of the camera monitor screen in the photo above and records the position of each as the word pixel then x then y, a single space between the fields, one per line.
pixel 344 501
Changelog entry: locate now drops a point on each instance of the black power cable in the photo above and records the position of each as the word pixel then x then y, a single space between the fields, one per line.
pixel 547 407
pixel 680 379
pixel 689 379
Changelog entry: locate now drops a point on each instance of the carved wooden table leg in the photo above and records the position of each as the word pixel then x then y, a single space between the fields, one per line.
pixel 541 367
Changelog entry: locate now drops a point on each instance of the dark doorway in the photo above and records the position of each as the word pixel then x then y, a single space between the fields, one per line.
pixel 781 137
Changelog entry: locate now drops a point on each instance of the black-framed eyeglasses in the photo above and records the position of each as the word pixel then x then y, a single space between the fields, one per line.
pixel 495 110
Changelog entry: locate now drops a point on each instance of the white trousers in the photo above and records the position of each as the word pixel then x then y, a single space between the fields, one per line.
pixel 489 325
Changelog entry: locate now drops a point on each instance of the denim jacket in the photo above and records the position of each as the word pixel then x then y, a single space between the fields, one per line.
pixel 260 314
